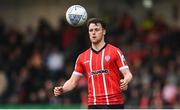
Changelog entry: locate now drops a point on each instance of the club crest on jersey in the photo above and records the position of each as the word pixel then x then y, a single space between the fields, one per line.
pixel 107 58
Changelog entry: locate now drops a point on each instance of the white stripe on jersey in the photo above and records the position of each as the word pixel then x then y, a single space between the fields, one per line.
pixel 124 67
pixel 104 80
pixel 90 64
pixel 77 73
pixel 122 60
pixel 121 57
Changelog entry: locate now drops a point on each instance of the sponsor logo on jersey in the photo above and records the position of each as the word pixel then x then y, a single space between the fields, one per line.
pixel 99 72
pixel 124 60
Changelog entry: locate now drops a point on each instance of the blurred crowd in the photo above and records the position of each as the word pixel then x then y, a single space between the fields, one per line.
pixel 32 62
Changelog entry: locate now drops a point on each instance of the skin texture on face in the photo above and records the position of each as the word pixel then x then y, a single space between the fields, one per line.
pixel 96 33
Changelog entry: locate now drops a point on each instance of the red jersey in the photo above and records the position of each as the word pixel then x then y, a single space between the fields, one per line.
pixel 102 70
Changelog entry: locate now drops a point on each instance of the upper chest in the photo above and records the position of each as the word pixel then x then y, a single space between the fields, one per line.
pixel 105 57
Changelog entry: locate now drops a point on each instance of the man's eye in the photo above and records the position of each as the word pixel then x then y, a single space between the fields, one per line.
pixel 96 29
pixel 90 30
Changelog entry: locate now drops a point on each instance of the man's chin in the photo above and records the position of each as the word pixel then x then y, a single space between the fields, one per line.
pixel 95 42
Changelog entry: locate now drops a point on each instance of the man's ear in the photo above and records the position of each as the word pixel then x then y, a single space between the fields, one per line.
pixel 104 32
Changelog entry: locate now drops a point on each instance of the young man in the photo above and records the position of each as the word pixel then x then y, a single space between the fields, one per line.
pixel 105 68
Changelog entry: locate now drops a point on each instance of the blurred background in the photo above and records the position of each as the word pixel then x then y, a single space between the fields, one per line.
pixel 38 50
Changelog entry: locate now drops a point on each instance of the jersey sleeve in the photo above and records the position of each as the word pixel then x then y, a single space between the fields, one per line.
pixel 78 69
pixel 120 60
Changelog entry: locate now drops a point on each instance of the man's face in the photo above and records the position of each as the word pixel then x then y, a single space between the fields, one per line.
pixel 96 33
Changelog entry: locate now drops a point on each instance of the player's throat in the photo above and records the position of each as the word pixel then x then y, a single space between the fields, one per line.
pixel 97 48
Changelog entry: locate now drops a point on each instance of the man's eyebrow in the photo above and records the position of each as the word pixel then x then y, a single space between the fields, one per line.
pixel 94 28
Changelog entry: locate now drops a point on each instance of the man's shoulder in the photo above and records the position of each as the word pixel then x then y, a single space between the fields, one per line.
pixel 113 47
pixel 85 52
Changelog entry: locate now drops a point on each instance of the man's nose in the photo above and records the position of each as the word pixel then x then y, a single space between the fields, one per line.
pixel 93 32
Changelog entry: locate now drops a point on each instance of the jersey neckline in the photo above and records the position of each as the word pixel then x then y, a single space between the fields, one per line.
pixel 99 50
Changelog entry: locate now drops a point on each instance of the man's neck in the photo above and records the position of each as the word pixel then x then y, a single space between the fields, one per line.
pixel 98 46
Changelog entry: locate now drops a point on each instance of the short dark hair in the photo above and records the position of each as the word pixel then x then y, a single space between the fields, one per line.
pixel 95 21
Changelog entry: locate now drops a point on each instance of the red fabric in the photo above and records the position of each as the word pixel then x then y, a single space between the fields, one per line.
pixel 94 71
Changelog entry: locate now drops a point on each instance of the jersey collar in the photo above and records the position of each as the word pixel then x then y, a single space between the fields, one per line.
pixel 99 50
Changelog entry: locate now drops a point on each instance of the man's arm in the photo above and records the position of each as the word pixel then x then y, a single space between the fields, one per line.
pixel 68 85
pixel 127 78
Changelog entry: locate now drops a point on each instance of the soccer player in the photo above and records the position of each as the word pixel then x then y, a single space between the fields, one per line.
pixel 105 68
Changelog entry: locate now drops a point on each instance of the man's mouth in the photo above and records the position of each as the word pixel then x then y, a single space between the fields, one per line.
pixel 93 36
